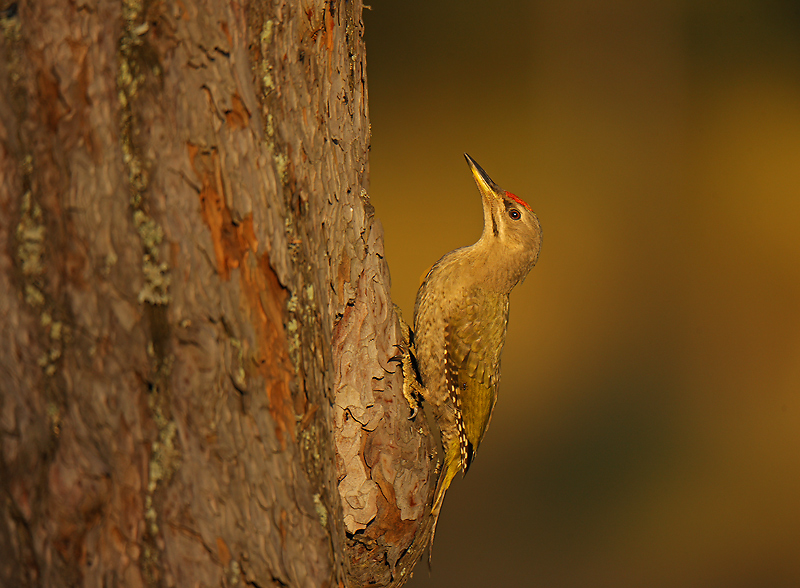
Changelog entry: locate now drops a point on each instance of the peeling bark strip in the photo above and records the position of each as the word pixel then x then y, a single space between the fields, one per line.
pixel 235 246
pixel 195 322
pixel 383 458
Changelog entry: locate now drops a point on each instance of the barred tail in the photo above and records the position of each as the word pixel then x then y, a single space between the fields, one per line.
pixel 452 465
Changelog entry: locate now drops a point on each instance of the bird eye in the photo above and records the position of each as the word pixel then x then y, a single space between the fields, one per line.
pixel 514 214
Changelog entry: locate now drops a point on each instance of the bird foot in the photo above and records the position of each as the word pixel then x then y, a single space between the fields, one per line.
pixel 412 382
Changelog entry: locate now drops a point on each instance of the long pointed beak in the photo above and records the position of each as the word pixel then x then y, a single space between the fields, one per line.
pixel 485 183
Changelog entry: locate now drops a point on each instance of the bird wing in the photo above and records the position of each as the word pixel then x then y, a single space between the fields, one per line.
pixel 473 342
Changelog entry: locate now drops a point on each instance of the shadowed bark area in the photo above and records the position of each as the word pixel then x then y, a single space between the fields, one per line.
pixel 196 329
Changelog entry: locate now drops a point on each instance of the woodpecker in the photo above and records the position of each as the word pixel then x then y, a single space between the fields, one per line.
pixel 460 323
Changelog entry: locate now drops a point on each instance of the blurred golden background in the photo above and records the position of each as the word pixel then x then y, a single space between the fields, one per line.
pixel 648 428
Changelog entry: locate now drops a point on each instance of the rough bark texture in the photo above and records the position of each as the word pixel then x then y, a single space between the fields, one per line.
pixel 196 330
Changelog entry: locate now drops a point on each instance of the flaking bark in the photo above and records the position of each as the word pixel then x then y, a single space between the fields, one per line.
pixel 196 329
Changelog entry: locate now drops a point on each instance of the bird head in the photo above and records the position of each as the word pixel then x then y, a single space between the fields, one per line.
pixel 511 230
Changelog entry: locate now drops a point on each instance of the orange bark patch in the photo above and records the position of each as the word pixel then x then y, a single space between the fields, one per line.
pixel 51 99
pixel 238 116
pixel 230 241
pixel 224 552
pixel 226 31
pixel 329 37
pixel 235 246
pixel 329 30
pixel 184 14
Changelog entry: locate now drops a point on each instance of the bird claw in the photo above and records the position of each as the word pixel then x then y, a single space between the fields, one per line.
pixel 412 383
pixel 409 393
pixel 412 389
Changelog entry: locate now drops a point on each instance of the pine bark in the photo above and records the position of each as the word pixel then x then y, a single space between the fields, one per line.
pixel 196 330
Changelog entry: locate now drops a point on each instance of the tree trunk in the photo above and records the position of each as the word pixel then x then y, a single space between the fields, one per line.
pixel 196 330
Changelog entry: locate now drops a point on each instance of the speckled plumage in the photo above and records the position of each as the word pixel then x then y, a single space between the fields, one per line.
pixel 460 323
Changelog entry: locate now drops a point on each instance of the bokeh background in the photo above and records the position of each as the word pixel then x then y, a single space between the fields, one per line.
pixel 648 428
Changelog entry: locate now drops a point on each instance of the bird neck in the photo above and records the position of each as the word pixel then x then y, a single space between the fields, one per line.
pixel 494 265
